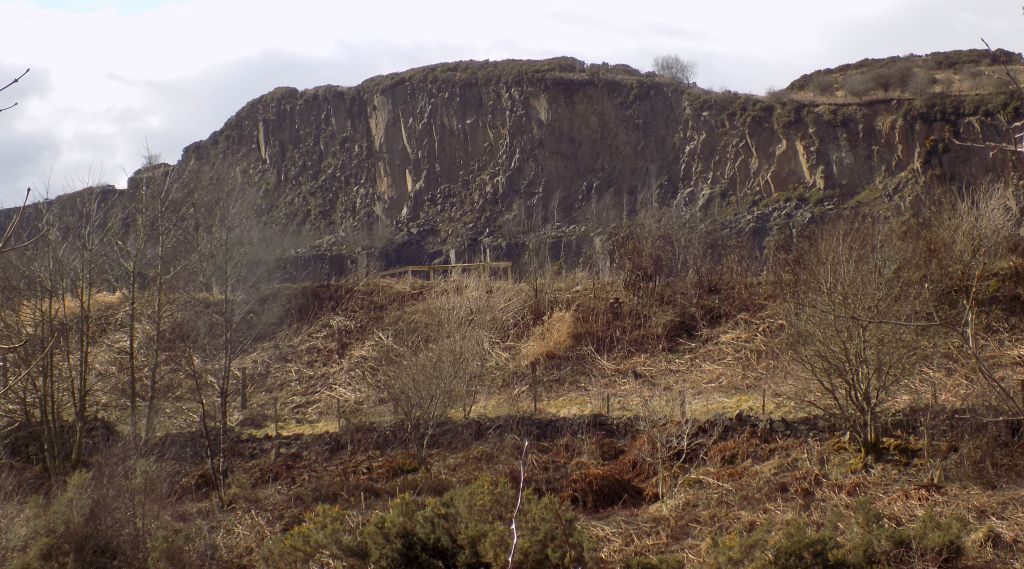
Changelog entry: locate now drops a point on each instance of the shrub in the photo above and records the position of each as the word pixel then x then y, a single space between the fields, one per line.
pixel 656 563
pixel 674 277
pixel 548 537
pixel 870 539
pixel 178 547
pixel 933 541
pixel 939 541
pixel 821 84
pixel 844 298
pixel 436 358
pixel 64 532
pixel 467 528
pixel 798 547
pixel 14 514
pixel 738 549
pixel 891 78
pixel 921 83
pixel 325 536
pixel 857 85
pixel 867 541
pixel 116 515
pixel 409 536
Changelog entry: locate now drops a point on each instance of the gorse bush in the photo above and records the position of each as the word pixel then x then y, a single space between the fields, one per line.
pixel 656 563
pixel 325 535
pixel 467 528
pixel 180 546
pixel 65 532
pixel 933 541
pixel 865 541
pixel 799 547
pixel 113 516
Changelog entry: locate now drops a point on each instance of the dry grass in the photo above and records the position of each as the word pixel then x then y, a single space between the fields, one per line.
pixel 326 361
pixel 552 338
pixel 769 485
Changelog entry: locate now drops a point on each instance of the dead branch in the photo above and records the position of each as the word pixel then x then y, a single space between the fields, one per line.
pixel 519 503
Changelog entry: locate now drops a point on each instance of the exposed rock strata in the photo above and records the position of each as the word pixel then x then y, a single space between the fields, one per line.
pixel 491 156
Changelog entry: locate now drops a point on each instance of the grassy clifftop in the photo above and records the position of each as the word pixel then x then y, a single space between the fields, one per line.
pixel 965 72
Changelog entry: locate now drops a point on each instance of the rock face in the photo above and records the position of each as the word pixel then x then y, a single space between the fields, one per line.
pixel 487 158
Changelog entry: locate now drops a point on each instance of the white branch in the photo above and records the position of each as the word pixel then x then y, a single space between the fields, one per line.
pixel 519 503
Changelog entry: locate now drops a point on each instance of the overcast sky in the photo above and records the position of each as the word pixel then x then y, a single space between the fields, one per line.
pixel 109 75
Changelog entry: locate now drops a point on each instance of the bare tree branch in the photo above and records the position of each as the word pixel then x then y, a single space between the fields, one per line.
pixel 15 80
pixel 8 233
pixel 5 87
pixel 31 366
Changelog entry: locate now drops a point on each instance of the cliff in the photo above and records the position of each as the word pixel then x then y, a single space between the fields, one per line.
pixel 487 157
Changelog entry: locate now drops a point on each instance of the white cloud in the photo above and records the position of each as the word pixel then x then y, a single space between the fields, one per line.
pixel 108 75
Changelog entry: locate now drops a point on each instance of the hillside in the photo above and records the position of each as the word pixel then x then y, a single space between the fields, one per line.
pixel 737 331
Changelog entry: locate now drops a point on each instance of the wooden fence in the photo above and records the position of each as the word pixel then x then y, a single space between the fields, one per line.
pixel 486 269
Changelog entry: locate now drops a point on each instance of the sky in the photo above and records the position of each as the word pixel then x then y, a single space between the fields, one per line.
pixel 111 78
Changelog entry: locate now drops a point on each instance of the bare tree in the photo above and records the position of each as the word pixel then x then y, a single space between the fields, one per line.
pixel 145 259
pixel 965 239
pixel 439 365
pixel 149 157
pixel 57 298
pixel 231 262
pixel 9 231
pixel 675 68
pixel 170 255
pixel 129 247
pixel 33 291
pixel 84 239
pixel 12 225
pixel 849 298
pixel 669 440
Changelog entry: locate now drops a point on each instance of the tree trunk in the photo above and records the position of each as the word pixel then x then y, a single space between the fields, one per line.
pixel 154 366
pixel 133 412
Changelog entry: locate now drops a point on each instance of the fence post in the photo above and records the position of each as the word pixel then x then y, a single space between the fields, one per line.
pixel 243 395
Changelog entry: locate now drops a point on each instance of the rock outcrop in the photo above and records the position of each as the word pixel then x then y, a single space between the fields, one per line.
pixel 485 158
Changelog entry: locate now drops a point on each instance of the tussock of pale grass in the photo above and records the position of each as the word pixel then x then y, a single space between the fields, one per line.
pixel 102 303
pixel 552 338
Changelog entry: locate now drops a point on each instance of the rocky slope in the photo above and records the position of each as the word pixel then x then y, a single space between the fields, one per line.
pixel 491 158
